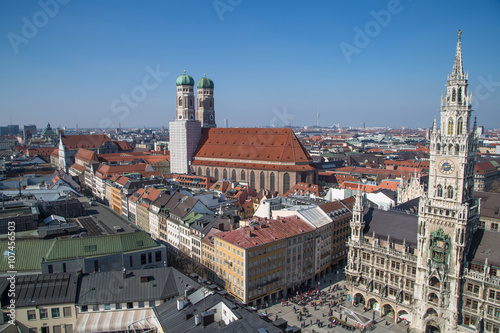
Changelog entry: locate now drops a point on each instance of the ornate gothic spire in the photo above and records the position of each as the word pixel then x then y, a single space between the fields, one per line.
pixel 458 70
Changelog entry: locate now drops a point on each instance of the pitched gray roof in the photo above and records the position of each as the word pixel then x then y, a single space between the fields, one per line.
pixel 399 226
pixel 43 289
pixel 139 285
pixel 173 320
pixel 485 245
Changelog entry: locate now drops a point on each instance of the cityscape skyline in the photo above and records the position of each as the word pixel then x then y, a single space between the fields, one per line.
pixel 352 63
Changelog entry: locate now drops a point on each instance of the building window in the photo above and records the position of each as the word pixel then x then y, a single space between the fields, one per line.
pixel 141 304
pixel 439 191
pixel 31 315
pixel 44 314
pixel 180 101
pixel 158 256
pixel 95 307
pixel 51 269
pixel 453 95
pixel 460 126
pixel 450 192
pixel 84 308
pixel 459 95
pixel 450 126
pixel 107 306
pixel 55 313
pixel 243 175
pixel 271 182
pixel 151 304
pixel 252 180
pixel 216 174
pixel 190 102
pixel 56 329
pixel 286 182
pixel 208 172
pixel 262 180
pixel 118 306
pixel 143 259
pixel 233 175
pixel 224 174
pixel 67 311
pixel 130 305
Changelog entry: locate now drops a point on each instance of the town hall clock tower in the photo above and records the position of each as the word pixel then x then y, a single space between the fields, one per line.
pixel 448 213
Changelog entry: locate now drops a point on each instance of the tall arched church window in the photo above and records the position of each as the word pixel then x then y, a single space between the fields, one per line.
pixel 252 180
pixel 450 126
pixel 271 182
pixel 459 95
pixel 439 191
pixel 453 95
pixel 233 175
pixel 180 101
pixel 216 174
pixel 242 174
pixel 201 103
pixel 450 192
pixel 286 182
pixel 199 171
pixel 208 172
pixel 224 174
pixel 262 180
pixel 460 126
pixel 438 148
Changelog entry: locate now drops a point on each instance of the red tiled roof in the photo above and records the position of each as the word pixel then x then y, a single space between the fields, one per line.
pixel 86 155
pixel 123 145
pixel 305 188
pixel 485 167
pixel 90 141
pixel 78 167
pixel 258 166
pixel 257 144
pixel 266 232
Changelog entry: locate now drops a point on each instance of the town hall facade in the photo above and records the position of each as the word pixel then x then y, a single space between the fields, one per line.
pixel 435 269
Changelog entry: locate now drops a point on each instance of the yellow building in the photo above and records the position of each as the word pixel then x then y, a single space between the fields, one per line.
pixel 44 302
pixel 251 260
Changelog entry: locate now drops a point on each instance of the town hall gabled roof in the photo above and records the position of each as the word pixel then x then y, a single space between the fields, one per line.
pixel 257 146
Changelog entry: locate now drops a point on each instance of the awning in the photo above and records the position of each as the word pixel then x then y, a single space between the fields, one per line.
pixel 405 316
pixel 111 321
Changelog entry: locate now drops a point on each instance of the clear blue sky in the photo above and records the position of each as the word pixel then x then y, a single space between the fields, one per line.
pixel 270 60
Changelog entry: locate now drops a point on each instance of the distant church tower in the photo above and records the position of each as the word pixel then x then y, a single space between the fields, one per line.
pixel 205 95
pixel 185 130
pixel 448 213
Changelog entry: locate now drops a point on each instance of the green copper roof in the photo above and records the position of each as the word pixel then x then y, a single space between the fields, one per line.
pixel 184 79
pixel 205 82
pixel 30 252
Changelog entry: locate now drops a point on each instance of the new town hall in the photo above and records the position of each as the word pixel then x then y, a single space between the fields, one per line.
pixel 435 269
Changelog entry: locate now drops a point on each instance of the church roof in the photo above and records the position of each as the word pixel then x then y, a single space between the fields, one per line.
pixel 252 147
pixel 91 141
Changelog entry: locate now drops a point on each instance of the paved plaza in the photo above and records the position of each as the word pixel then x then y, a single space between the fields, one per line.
pixel 317 319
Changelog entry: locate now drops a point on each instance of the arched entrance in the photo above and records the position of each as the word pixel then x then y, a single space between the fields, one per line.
pixel 388 311
pixel 359 299
pixel 373 304
pixel 404 316
pixel 432 327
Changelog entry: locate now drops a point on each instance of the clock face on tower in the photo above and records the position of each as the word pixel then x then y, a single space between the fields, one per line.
pixel 446 167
